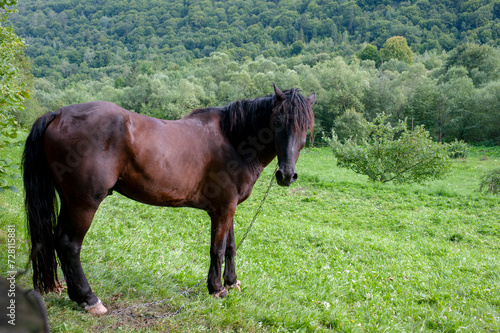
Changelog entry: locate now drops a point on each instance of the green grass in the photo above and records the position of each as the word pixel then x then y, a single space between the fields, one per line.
pixel 334 252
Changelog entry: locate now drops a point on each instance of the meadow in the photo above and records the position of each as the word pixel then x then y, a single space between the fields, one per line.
pixel 333 252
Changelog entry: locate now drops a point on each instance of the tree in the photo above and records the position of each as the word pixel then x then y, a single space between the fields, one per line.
pixel 370 52
pixel 489 105
pixel 397 48
pixel 390 90
pixel 482 62
pixel 393 153
pixel 425 107
pixel 351 125
pixel 279 34
pixel 297 47
pixel 343 87
pixel 463 119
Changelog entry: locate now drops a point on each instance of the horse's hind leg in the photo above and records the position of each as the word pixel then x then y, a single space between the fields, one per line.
pixel 73 223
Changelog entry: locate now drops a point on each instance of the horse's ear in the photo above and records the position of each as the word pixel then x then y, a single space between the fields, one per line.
pixel 311 99
pixel 280 96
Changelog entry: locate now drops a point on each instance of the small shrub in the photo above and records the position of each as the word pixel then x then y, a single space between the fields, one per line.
pixel 393 153
pixel 458 149
pixel 490 182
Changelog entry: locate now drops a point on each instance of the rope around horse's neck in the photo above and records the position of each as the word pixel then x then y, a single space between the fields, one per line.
pixel 126 311
pixel 258 208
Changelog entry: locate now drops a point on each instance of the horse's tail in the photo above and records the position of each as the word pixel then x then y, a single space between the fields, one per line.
pixel 41 206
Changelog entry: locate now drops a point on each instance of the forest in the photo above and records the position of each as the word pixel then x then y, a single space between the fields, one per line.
pixel 164 58
pixel 64 35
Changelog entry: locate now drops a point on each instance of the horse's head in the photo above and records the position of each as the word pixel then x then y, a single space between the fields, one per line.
pixel 291 119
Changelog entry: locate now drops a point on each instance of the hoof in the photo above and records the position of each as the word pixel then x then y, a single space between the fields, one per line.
pixel 236 285
pixel 220 294
pixel 96 309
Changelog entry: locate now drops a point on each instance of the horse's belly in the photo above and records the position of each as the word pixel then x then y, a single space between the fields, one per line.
pixel 159 192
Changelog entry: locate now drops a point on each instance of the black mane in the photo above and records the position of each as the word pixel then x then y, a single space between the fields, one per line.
pixel 242 119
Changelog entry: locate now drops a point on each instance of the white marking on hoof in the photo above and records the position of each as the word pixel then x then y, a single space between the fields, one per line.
pixel 96 309
pixel 219 293
pixel 236 285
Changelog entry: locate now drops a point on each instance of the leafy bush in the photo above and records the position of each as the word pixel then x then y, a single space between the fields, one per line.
pixel 458 149
pixel 393 153
pixel 490 182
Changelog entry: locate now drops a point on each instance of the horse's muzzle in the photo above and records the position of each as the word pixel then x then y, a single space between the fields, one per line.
pixel 286 178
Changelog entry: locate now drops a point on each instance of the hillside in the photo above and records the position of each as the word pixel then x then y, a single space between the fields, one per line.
pixel 67 36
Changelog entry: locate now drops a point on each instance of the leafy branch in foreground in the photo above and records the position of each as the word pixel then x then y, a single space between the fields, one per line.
pixel 392 153
pixel 8 168
pixel 13 88
pixel 13 92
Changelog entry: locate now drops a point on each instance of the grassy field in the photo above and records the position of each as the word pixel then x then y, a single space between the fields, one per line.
pixel 334 252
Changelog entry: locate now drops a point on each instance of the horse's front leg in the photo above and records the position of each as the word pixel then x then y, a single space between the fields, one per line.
pixel 221 237
pixel 230 281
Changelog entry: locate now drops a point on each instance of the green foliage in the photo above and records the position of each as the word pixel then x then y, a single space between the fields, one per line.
pixel 464 117
pixel 481 62
pixel 397 48
pixel 9 169
pixel 71 37
pixel 342 86
pixel 458 149
pixel 449 106
pixel 13 92
pixel 490 182
pixel 351 125
pixel 370 52
pixel 393 153
pixel 13 89
pixel 297 47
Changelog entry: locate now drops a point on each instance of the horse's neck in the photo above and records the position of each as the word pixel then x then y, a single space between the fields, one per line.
pixel 263 143
pixel 268 157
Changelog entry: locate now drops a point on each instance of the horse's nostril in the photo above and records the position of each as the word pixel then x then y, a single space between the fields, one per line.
pixel 294 177
pixel 279 175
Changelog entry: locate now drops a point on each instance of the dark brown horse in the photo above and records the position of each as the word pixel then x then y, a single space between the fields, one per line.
pixel 209 160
